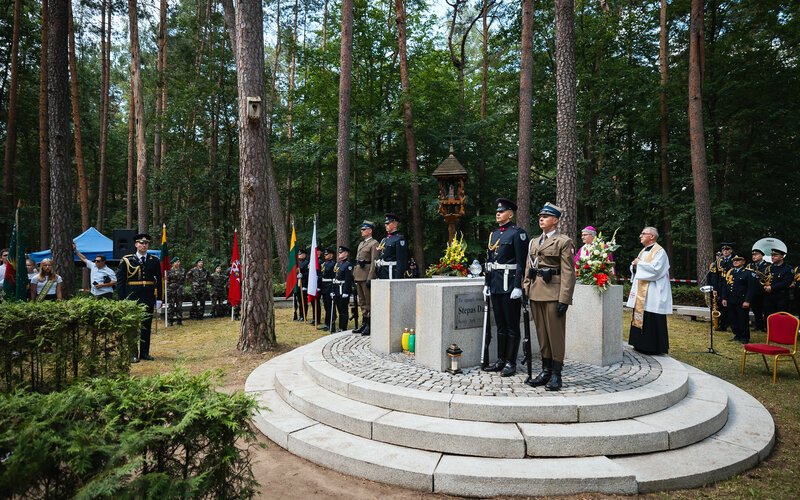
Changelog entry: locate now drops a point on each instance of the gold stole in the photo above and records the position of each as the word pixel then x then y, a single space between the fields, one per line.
pixel 641 287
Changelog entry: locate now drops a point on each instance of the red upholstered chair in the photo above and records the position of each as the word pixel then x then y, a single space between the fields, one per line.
pixel 782 331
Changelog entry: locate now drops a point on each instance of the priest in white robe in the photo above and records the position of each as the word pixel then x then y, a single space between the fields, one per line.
pixel 650 297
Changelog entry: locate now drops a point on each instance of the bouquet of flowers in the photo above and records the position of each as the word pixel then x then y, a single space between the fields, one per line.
pixel 454 261
pixel 596 266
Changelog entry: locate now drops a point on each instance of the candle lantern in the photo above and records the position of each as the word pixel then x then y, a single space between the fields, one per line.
pixel 454 353
pixel 451 176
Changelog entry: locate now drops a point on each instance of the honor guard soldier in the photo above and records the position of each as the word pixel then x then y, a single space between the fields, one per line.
pixel 364 272
pixel 778 281
pixel 503 283
pixel 342 286
pixel 176 279
pixel 219 292
pixel 737 295
pixel 716 278
pixel 139 279
pixel 393 251
pixel 301 290
pixel 549 282
pixel 760 267
pixel 327 276
pixel 198 277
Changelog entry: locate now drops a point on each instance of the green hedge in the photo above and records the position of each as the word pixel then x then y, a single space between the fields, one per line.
pixel 45 346
pixel 167 436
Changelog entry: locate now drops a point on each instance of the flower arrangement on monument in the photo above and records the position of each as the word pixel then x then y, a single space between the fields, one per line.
pixel 454 262
pixel 597 266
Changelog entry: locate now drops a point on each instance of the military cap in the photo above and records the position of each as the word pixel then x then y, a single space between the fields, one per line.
pixel 328 250
pixel 504 204
pixel 174 260
pixel 778 250
pixel 143 238
pixel 738 257
pixel 367 224
pixel 198 260
pixel 550 209
pixel 758 250
pixel 343 248
pixel 727 244
pixel 301 250
pixel 390 217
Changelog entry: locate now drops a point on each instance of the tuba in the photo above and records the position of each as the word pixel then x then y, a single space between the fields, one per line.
pixel 766 245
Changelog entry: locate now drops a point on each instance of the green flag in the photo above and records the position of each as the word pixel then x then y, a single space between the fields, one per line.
pixel 15 284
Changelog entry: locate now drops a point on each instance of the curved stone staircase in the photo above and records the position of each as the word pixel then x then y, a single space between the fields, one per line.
pixel 674 427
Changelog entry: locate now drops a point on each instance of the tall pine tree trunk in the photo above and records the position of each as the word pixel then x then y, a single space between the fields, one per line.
pixel 566 117
pixel 59 143
pixel 105 84
pixel 343 153
pixel 159 144
pixel 83 184
pixel 44 163
pixel 697 141
pixel 131 184
pixel 138 106
pixel 664 132
pixel 11 123
pixel 258 318
pixel 408 128
pixel 525 118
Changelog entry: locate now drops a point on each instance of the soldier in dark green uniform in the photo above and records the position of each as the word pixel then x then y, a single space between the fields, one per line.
pixel 342 286
pixel 139 279
pixel 198 277
pixel 393 251
pixel 737 295
pixel 326 279
pixel 176 279
pixel 219 292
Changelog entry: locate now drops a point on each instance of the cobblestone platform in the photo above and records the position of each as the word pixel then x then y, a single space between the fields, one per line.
pixel 352 354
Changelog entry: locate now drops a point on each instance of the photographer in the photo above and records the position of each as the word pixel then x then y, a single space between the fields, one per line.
pixel 102 277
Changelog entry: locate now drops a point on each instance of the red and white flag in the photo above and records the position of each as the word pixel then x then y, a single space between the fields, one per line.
pixel 313 262
pixel 235 278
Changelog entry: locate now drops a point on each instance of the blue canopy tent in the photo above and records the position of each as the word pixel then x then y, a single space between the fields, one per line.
pixel 90 243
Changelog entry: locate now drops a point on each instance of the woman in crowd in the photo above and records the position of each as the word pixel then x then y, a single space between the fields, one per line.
pixel 47 284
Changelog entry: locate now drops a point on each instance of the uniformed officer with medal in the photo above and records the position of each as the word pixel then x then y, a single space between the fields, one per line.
pixel 393 257
pixel 505 259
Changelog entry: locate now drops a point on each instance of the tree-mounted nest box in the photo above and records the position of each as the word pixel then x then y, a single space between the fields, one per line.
pixel 254 108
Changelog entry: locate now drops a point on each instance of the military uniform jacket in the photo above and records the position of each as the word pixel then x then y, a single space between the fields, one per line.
pixel 557 252
pixel 302 273
pixel 176 278
pixel 198 277
pixel 343 278
pixel 140 281
pixel 366 257
pixel 393 250
pixel 328 274
pixel 740 286
pixel 219 284
pixel 782 277
pixel 717 271
pixel 505 258
pixel 760 269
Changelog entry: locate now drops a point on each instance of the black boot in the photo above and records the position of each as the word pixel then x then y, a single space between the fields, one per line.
pixel 360 328
pixel 554 384
pixel 512 348
pixel 501 354
pixel 544 375
pixel 366 327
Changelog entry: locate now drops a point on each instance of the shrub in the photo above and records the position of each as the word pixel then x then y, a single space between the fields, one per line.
pixel 167 436
pixel 47 345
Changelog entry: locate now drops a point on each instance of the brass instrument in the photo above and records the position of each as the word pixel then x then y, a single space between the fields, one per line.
pixel 711 301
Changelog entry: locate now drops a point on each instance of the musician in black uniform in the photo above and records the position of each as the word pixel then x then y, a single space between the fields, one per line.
pixel 301 290
pixel 776 290
pixel 505 263
pixel 717 270
pixel 326 278
pixel 139 279
pixel 760 267
pixel 393 251
pixel 342 286
pixel 737 295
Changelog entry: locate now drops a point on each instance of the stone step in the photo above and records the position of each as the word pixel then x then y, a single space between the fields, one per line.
pixel 670 387
pixel 694 418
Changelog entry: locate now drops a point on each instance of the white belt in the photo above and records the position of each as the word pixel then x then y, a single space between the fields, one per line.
pixel 387 263
pixel 494 266
pixel 327 280
pixel 338 282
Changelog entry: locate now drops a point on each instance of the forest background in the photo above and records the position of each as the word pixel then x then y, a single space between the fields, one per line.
pixel 464 89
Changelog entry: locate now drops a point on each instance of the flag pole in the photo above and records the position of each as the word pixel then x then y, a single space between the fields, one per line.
pixel 166 300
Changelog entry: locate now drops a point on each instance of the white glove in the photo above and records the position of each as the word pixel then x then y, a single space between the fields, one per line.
pixel 333 295
pixel 486 291
pixel 345 296
pixel 516 293
pixel 159 304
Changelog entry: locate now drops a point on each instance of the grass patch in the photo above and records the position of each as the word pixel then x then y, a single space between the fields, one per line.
pixel 211 344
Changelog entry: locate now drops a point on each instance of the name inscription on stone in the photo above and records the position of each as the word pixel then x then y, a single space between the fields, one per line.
pixel 468 311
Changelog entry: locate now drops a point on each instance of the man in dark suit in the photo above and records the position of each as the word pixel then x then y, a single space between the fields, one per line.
pixel 737 295
pixel 139 279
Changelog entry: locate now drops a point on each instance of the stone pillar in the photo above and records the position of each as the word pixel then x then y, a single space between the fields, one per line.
pixel 594 326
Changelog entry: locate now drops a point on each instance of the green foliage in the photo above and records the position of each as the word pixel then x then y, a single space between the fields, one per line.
pixel 167 436
pixel 688 295
pixel 47 345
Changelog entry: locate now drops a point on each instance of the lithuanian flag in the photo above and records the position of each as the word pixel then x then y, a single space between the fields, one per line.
pixel 164 255
pixel 291 271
